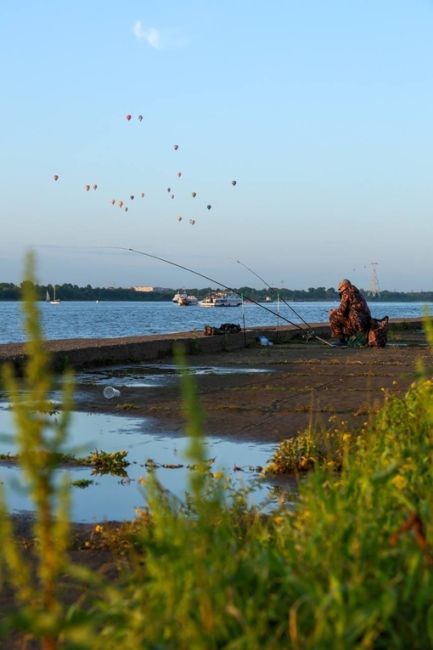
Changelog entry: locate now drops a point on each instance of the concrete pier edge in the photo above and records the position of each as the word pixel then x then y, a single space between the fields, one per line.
pixel 90 353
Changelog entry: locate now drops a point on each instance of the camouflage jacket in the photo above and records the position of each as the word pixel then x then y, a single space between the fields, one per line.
pixel 353 303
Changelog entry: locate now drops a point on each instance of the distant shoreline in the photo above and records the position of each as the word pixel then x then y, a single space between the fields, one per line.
pixel 67 292
pixel 406 299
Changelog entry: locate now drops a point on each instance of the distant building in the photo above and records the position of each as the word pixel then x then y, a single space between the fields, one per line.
pixel 145 289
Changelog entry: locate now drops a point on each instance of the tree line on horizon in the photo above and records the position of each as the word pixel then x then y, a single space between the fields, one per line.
pixel 67 291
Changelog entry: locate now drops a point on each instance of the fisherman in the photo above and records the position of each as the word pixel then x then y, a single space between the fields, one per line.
pixel 352 316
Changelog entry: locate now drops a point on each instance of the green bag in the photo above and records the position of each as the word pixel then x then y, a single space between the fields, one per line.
pixel 358 340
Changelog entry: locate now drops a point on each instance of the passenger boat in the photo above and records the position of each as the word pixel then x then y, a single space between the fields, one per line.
pixel 184 299
pixel 177 295
pixel 221 299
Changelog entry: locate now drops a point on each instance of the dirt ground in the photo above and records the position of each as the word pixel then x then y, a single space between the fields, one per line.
pixel 300 381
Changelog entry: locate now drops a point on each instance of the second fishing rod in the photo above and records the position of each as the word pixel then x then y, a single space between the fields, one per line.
pixel 311 331
pixel 305 332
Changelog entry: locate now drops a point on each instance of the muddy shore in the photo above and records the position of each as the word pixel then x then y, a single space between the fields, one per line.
pixel 298 382
pixel 264 394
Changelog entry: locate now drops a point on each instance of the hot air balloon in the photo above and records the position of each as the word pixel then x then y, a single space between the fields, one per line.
pixel 172 196
pixel 87 187
pixel 169 189
pixel 208 207
pixel 194 194
pixel 175 147
pixel 179 174
pixel 113 201
pixel 192 221
pixel 233 182
pixel 140 118
pixel 95 187
pixel 120 204
pixel 128 117
pixel 56 177
pixel 142 195
pixel 132 197
pixel 179 218
pixel 126 209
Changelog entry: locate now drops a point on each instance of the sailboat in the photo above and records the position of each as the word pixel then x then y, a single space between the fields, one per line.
pixel 54 301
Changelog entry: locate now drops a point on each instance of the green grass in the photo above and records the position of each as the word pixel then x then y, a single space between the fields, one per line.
pixel 349 566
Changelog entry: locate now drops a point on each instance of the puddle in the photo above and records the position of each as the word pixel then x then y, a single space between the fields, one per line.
pixel 115 498
pixel 148 376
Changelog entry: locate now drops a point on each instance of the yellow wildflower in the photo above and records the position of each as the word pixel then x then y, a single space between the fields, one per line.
pixel 399 481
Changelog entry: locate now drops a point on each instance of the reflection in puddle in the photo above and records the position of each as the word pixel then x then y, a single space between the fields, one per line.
pixel 148 376
pixel 114 498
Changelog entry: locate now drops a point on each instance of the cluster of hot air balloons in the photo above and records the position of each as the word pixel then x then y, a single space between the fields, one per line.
pixel 121 203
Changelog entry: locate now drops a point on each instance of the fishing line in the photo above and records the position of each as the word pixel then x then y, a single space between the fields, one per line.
pixel 310 329
pixel 206 277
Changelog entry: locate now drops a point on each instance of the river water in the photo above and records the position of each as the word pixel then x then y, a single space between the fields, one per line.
pixel 113 319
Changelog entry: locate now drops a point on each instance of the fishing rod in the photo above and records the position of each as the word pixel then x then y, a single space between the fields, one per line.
pixel 206 277
pixel 310 329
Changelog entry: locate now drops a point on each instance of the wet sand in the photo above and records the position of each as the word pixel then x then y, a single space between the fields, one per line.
pixel 300 382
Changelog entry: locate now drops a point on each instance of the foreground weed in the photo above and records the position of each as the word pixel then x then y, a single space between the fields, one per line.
pixel 40 440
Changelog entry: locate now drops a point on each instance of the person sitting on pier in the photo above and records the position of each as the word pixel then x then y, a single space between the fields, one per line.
pixel 351 316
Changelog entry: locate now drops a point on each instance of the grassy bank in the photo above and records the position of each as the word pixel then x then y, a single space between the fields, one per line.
pixel 351 566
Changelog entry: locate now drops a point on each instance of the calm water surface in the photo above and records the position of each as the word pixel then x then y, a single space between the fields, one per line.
pixel 112 319
pixel 115 498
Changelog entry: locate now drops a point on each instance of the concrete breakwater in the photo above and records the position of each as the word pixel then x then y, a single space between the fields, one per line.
pixel 90 353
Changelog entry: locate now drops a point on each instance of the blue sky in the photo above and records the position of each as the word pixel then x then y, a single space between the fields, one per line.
pixel 322 112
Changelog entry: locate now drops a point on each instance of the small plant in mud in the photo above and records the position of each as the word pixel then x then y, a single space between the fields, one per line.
pixel 109 462
pixel 82 483
pixel 51 408
pixel 127 406
pixel 308 449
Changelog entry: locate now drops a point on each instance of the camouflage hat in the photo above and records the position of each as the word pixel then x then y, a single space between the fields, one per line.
pixel 344 284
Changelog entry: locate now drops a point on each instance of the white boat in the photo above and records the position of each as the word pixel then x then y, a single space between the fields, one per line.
pixel 184 299
pixel 54 301
pixel 187 300
pixel 221 299
pixel 178 295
